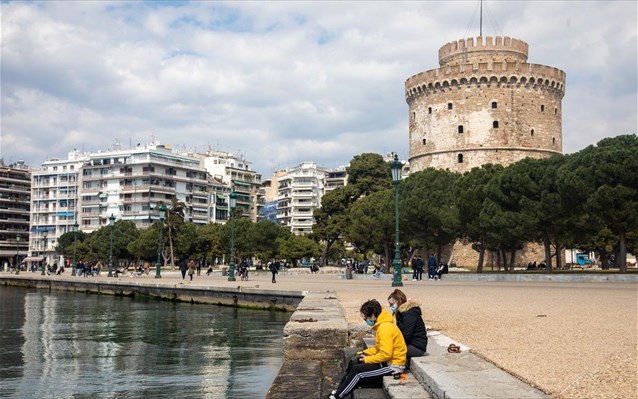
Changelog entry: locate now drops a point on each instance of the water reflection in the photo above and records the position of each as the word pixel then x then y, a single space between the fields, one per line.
pixel 63 345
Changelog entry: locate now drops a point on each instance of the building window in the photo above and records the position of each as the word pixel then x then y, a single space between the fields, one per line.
pixel 424 141
pixel 554 140
pixel 460 128
pixel 494 105
pixel 449 105
pixel 495 124
pixel 532 132
pixel 459 158
pixel 429 110
pixel 555 111
pixel 414 116
pixel 542 108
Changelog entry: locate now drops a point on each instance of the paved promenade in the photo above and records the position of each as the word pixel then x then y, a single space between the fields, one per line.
pixel 573 340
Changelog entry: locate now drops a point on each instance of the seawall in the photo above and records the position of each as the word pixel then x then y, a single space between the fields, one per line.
pixel 238 297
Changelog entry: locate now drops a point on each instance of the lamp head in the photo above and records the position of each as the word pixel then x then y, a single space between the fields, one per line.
pixel 111 220
pixel 18 236
pixel 232 199
pixel 396 167
pixel 162 211
pixel 75 226
pixel 45 233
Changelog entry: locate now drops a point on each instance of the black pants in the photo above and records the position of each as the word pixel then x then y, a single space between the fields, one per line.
pixel 412 352
pixel 419 274
pixel 273 277
pixel 362 373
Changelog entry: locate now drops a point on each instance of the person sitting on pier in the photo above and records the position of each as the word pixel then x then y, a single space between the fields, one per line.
pixel 385 358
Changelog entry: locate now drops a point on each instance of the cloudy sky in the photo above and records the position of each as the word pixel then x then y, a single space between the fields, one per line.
pixel 281 82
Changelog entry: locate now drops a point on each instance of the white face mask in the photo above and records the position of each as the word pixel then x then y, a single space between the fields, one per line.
pixel 393 308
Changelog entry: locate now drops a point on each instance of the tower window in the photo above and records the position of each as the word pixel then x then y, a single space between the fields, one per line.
pixel 495 124
pixel 532 132
pixel 460 128
pixel 424 141
pixel 429 110
pixel 542 108
pixel 553 140
pixel 413 115
pixel 555 111
pixel 494 105
pixel 449 105
pixel 459 158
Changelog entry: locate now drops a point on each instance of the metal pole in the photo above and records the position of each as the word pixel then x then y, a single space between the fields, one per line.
pixel 45 251
pixel 159 251
pixel 75 238
pixel 231 264
pixel 396 264
pixel 111 252
pixel 18 253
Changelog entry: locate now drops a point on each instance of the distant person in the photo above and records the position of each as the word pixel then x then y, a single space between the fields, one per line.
pixel 431 267
pixel 191 269
pixel 210 270
pixel 273 269
pixel 441 270
pixel 385 358
pixel 198 267
pixel 419 268
pixel 378 271
pixel 407 313
pixel 183 267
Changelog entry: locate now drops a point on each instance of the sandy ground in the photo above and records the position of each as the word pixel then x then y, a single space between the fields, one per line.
pixel 572 340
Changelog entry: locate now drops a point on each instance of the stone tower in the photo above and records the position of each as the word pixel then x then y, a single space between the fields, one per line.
pixel 484 104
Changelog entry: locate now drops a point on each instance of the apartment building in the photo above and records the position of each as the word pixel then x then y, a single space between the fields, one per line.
pixel 54 203
pixel 15 202
pixel 333 178
pixel 235 171
pixel 126 183
pixel 299 192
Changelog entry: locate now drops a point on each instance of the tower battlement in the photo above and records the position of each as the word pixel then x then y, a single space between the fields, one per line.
pixel 481 48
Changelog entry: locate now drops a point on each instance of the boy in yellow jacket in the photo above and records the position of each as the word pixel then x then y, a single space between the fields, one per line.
pixel 387 357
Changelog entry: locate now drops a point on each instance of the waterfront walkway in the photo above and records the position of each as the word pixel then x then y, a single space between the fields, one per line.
pixel 572 340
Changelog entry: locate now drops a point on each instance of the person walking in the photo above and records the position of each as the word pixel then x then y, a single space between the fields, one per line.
pixel 191 269
pixel 419 268
pixel 183 267
pixel 385 358
pixel 407 313
pixel 273 269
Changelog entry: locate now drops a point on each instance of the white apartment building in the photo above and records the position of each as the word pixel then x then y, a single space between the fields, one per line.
pixel 126 183
pixel 299 191
pixel 54 203
pixel 235 171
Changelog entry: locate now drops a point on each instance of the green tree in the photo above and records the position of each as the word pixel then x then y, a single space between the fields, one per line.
pixel 331 220
pixel 186 242
pixel 65 243
pixel 369 173
pixel 428 209
pixel 174 219
pixel 606 178
pixel 208 241
pixel 298 247
pixel 372 226
pixel 263 238
pixel 146 244
pixel 470 192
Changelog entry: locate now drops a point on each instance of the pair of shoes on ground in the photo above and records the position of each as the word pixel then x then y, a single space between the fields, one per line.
pixel 333 394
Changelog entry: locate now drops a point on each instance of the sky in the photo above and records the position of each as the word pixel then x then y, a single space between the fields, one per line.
pixel 281 82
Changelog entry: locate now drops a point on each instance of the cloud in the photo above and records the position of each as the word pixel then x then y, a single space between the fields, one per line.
pixel 281 82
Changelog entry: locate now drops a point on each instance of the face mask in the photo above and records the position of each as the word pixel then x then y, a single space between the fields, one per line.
pixel 369 322
pixel 393 308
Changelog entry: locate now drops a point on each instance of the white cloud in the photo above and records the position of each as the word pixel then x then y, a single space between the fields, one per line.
pixel 282 82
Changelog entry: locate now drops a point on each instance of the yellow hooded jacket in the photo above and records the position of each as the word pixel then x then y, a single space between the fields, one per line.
pixel 389 344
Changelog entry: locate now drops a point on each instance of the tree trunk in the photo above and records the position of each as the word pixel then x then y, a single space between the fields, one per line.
pixel 386 252
pixel 439 248
pixel 324 253
pixel 548 255
pixel 559 260
pixel 479 267
pixel 512 260
pixel 622 253
pixel 170 246
pixel 498 259
pixel 504 257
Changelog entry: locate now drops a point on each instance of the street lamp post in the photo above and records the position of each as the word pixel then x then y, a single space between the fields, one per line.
pixel 231 264
pixel 45 233
pixel 18 253
pixel 162 214
pixel 75 238
pixel 396 166
pixel 112 224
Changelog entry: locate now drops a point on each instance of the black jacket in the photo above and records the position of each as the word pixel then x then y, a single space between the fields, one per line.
pixel 411 324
